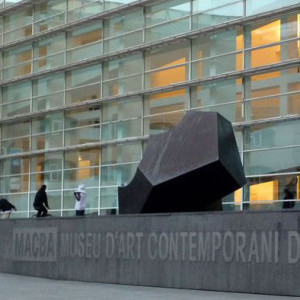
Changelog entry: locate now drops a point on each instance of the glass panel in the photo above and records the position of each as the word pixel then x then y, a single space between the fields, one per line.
pixel 160 104
pixel 84 35
pixel 224 91
pixel 16 145
pixel 122 86
pixel 47 123
pixel 122 119
pixel 167 57
pixel 163 122
pixel 83 78
pixel 270 135
pixel 18 19
pixel 49 101
pixel 17 58
pixel 167 11
pixel 46 49
pixel 46 162
pixel 124 23
pixel 209 95
pixel 87 9
pixel 109 197
pixel 200 6
pixel 204 50
pixel 107 212
pixel 47 141
pixel 17 34
pixel 17 55
pixel 83 158
pixel 49 62
pixel 232 112
pixel 166 102
pixel 86 39
pixel 88 51
pixel 20 70
pixel 123 42
pixel 215 16
pixel 263 162
pixel 84 135
pixel 51 179
pixel 110 4
pixel 69 203
pixel 54 200
pixel 16 92
pixel 15 130
pixel 47 24
pixel 264 89
pixel 167 30
pixel 48 85
pixel 167 77
pixel 255 7
pixel 121 67
pixel 118 174
pixel 218 43
pixel 14 184
pixel 14 109
pixel 82 117
pixel 121 153
pixel 87 176
pixel 272 192
pixel 48 8
pixel 14 166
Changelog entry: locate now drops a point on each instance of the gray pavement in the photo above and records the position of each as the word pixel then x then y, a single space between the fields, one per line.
pixel 31 288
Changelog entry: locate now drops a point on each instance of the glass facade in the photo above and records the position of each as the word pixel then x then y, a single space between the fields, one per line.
pixel 84 84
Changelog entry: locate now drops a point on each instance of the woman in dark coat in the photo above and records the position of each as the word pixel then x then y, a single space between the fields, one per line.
pixel 41 202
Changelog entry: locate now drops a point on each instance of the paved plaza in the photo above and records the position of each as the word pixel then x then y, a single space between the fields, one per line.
pixel 23 287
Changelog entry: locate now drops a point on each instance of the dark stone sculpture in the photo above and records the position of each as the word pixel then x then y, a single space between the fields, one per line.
pixel 188 168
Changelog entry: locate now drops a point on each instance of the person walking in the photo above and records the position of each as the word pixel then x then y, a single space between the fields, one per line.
pixel 80 197
pixel 6 207
pixel 41 202
pixel 290 193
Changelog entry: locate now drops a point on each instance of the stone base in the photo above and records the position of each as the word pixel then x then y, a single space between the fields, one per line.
pixel 251 252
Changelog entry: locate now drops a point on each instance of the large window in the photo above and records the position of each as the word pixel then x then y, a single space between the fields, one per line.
pixel 48 92
pixel 123 31
pixel 81 166
pixel 16 99
pixel 84 42
pixel 163 111
pixel 167 19
pixel 224 96
pixel 167 65
pixel 18 25
pixel 122 119
pixel 272 94
pixel 217 53
pixel 83 84
pixel 123 75
pixel 49 14
pixel 209 13
pixel 82 125
pixel 49 53
pixel 17 62
pixel 47 132
pixel 79 9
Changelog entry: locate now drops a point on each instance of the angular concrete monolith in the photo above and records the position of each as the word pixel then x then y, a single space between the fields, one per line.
pixel 188 168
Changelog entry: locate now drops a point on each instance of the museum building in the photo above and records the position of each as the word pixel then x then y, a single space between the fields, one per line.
pixel 84 83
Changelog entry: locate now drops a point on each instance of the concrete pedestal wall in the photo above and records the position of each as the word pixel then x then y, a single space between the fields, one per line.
pixel 253 252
